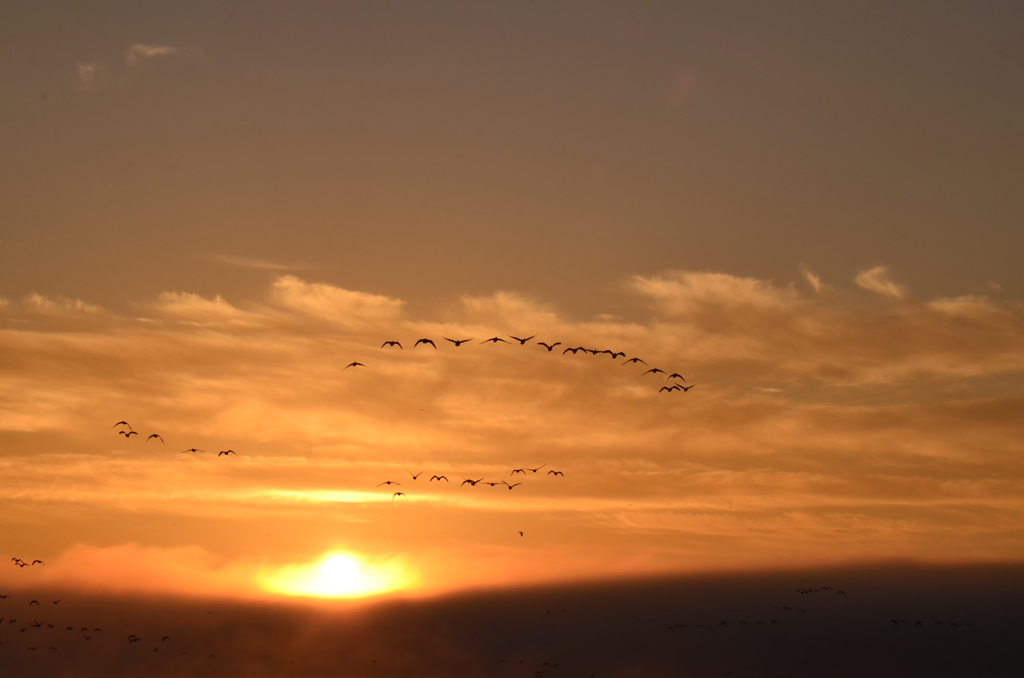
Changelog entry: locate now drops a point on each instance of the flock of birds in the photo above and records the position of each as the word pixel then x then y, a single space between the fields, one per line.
pixel 667 388
pixel 131 432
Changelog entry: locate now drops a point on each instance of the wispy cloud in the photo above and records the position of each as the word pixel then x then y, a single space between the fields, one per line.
pixel 86 74
pixel 138 53
pixel 248 262
pixel 877 280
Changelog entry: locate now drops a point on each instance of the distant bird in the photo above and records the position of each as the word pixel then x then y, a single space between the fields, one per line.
pixel 669 388
pixel 655 370
pixel 471 482
pixel 154 435
pixel 518 470
pixel 444 478
pixel 520 533
pixel 537 469
pixel 493 340
pixel 397 494
pixel 675 375
pixel 555 473
pixel 36 625
pixel 34 602
pixel 55 602
pixel 388 482
pixel 414 475
pixel 165 638
pixel 227 452
pixel 549 346
pixel 840 593
pixel 574 350
pixel 513 485
pixel 122 423
pixel 424 341
pixel 684 389
pixel 634 360
pixel 522 342
pixel 357 364
pixel 391 343
pixel 500 482
pixel 192 449
pixel 128 434
pixel 457 342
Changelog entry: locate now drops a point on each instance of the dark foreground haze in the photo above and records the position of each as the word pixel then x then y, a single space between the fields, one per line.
pixel 897 620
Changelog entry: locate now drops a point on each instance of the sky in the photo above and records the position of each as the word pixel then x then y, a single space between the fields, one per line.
pixel 809 213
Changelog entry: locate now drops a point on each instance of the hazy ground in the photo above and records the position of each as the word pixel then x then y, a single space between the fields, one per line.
pixel 971 618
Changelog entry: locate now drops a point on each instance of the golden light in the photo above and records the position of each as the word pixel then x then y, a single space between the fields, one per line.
pixel 337 575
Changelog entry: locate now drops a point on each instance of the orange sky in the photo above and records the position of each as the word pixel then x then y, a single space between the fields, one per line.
pixel 208 212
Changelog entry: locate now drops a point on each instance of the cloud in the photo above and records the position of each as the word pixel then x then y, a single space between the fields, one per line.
pixel 246 262
pixel 86 74
pixel 877 280
pixel 36 303
pixel 813 279
pixel 139 53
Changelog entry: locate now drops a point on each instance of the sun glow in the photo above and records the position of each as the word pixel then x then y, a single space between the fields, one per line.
pixel 337 575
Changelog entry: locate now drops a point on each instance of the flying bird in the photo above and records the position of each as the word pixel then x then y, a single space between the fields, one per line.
pixel 121 423
pixel 634 360
pixel 555 473
pixel 55 602
pixel 391 343
pixel 549 346
pixel 397 494
pixel 512 485
pixel 500 482
pixel 684 389
pixel 227 452
pixel 493 340
pixel 388 482
pixel 537 469
pixel 414 475
pixel 675 375
pixel 154 435
pixel 518 470
pixel 457 342
pixel 34 602
pixel 572 349
pixel 356 364
pixel 128 434
pixel 192 449
pixel 522 342
pixel 669 388
pixel 520 533
pixel 424 341
pixel 471 482
pixel 444 478
pixel 655 370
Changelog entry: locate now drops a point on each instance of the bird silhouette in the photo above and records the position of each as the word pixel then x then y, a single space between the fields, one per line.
pixel 128 434
pixel 522 342
pixel 388 482
pixel 457 342
pixel 471 482
pixel 227 452
pixel 122 423
pixel 549 346
pixel 655 370
pixel 424 341
pixel 675 375
pixel 513 485
pixel 669 388
pixel 574 350
pixel 414 475
pixel 493 340
pixel 357 364
pixel 391 343
pixel 634 360
pixel 520 533
pixel 684 389
pixel 192 449
pixel 555 473
pixel 34 602
pixel 500 482
pixel 518 470
pixel 537 469
pixel 397 494
pixel 444 478
pixel 154 435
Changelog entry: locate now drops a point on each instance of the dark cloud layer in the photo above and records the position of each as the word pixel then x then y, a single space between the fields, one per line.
pixel 608 629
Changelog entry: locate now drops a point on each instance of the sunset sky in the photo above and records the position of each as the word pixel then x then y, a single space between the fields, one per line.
pixel 207 211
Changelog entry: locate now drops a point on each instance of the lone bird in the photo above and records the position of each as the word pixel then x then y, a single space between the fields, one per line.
pixel 392 343
pixel 457 342
pixel 424 341
pixel 520 533
pixel 227 452
pixel 356 364
pixel 549 346
pixel 522 342
pixel 154 435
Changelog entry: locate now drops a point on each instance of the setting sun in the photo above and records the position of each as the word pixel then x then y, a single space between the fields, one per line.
pixel 336 575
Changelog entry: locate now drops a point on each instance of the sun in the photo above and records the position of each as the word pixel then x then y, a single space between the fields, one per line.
pixel 336 575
